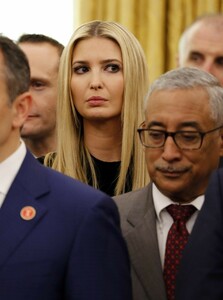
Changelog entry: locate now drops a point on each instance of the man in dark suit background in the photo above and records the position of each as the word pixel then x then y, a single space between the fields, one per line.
pixel 60 239
pixel 183 140
pixel 201 271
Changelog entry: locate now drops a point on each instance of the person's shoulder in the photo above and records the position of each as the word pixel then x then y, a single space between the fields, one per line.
pixel 219 172
pixel 64 194
pixel 77 198
pixel 215 183
pixel 217 176
pixel 65 182
pixel 132 207
pixel 220 162
pixel 125 202
pixel 132 196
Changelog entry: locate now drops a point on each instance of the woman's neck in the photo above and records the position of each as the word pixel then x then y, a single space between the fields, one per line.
pixel 104 140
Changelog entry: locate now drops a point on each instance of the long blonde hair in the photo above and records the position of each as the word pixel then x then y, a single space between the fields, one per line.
pixel 72 157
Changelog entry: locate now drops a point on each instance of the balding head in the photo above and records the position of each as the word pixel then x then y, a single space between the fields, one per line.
pixel 201 45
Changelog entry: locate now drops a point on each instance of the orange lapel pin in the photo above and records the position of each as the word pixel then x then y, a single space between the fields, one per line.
pixel 27 213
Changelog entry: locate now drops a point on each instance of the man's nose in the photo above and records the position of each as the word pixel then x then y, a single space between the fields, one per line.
pixel 207 66
pixel 170 150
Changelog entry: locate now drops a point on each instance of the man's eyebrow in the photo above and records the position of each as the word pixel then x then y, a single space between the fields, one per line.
pixel 193 52
pixel 190 123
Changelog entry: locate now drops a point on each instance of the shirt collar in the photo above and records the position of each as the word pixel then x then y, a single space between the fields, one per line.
pixel 10 167
pixel 161 201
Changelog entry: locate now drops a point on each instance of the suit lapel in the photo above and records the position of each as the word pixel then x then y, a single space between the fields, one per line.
pixel 13 228
pixel 143 243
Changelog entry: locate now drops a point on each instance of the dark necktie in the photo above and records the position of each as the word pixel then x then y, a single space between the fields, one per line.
pixel 176 241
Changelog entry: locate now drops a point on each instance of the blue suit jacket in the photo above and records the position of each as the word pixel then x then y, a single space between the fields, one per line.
pixel 71 249
pixel 200 275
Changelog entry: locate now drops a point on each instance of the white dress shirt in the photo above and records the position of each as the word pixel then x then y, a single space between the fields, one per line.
pixel 164 220
pixel 9 168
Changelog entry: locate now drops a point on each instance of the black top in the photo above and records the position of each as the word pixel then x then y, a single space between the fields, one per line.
pixel 107 175
pixel 41 159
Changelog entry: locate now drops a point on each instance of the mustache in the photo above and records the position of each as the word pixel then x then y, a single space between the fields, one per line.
pixel 172 169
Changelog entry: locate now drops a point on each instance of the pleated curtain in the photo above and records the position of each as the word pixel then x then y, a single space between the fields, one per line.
pixel 157 24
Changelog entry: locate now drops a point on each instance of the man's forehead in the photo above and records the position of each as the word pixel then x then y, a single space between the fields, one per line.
pixel 179 101
pixel 200 32
pixel 175 92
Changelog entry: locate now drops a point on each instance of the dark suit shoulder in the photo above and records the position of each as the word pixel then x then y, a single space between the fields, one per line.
pixel 62 188
pixel 200 272
pixel 221 162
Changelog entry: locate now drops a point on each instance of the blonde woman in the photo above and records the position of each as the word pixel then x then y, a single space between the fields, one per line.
pixel 103 80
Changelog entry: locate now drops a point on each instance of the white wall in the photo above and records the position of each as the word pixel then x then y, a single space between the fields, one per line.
pixel 54 18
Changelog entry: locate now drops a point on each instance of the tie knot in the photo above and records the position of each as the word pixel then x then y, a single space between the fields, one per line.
pixel 180 212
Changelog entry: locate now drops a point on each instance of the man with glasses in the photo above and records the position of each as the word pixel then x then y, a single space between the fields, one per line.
pixel 183 139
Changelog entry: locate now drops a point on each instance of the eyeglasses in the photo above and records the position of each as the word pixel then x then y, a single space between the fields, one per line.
pixel 185 140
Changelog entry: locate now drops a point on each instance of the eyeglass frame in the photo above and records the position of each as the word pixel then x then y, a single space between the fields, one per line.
pixel 172 134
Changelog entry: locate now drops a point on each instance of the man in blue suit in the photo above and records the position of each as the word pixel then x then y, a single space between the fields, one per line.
pixel 200 275
pixel 59 239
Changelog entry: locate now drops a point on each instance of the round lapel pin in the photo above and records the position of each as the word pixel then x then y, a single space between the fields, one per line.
pixel 28 213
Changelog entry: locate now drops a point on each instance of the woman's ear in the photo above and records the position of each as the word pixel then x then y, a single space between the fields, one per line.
pixel 21 107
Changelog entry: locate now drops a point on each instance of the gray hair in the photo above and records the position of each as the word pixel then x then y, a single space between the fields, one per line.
pixel 189 78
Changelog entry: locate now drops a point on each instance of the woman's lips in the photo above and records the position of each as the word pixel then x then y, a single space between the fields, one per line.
pixel 96 100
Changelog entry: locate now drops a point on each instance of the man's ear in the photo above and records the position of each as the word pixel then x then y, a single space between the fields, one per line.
pixel 21 107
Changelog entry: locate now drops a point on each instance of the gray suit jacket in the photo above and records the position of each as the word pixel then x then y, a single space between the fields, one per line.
pixel 138 222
